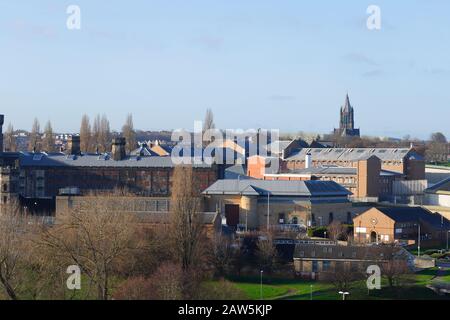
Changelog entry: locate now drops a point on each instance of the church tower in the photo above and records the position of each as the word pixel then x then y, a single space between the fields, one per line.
pixel 2 118
pixel 347 121
pixel 347 115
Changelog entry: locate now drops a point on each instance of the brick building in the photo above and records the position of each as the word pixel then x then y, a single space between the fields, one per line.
pixel 256 203
pixel 321 262
pixel 365 180
pixel 400 225
pixel 404 161
pixel 37 178
pixel 150 211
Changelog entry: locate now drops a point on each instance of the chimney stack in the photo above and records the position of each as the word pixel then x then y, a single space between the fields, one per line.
pixel 308 161
pixel 2 119
pixel 73 145
pixel 118 149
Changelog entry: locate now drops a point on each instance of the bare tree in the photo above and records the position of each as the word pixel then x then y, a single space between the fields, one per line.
pixel 394 267
pixel 16 250
pixel 221 255
pixel 438 148
pixel 105 134
pixel 267 253
pixel 129 133
pixel 343 274
pixel 186 219
pixel 238 260
pixel 209 120
pixel 337 231
pixel 165 284
pixel 96 237
pixel 96 133
pixel 34 143
pixel 10 139
pixel 48 142
pixel 85 135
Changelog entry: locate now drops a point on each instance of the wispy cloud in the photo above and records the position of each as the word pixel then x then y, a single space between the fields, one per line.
pixel 281 98
pixel 360 58
pixel 438 71
pixel 209 42
pixel 372 73
pixel 25 28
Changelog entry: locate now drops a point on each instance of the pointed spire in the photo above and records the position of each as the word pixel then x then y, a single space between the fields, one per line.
pixel 347 106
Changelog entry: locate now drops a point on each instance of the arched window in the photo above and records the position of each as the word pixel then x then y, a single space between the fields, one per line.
pixel 5 187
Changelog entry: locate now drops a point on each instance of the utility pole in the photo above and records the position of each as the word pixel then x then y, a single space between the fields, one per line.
pixel 418 243
pixel 261 286
pixel 448 231
pixel 268 211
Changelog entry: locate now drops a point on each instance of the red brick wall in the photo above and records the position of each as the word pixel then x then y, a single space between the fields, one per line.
pixel 142 181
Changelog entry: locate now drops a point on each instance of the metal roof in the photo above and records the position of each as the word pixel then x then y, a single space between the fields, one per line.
pixel 355 154
pixel 277 188
pixel 414 214
pixel 95 160
pixel 337 252
pixel 326 170
pixel 441 187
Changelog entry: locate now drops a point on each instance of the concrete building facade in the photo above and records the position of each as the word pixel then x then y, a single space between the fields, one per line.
pixel 256 204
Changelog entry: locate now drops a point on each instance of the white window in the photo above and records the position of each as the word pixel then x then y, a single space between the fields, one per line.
pixel 361 230
pixel 398 230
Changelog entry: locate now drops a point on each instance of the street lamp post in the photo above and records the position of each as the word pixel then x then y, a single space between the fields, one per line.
pixel 268 211
pixel 311 292
pixel 261 286
pixel 344 293
pixel 418 243
pixel 448 231
pixel 325 233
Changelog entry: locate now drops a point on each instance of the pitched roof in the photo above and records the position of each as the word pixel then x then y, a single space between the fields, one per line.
pixel 408 214
pixel 95 160
pixel 326 170
pixel 337 252
pixel 143 150
pixel 355 154
pixel 237 171
pixel 441 187
pixel 277 188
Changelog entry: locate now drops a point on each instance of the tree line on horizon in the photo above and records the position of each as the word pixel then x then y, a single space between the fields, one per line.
pixel 93 138
pixel 96 137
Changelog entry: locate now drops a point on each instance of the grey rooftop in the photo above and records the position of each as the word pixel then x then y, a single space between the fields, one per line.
pixel 41 159
pixel 277 188
pixel 355 154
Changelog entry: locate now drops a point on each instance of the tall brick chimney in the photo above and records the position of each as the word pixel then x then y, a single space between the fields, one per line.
pixel 2 119
pixel 73 145
pixel 118 148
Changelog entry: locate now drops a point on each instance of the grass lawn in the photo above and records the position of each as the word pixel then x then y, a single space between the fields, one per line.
pixel 413 287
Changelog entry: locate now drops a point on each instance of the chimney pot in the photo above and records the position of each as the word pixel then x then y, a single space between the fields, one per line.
pixel 73 145
pixel 118 148
pixel 308 161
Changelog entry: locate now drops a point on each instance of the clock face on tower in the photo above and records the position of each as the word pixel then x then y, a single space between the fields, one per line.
pixel 374 221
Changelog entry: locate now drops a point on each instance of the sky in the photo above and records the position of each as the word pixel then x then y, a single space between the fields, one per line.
pixel 274 64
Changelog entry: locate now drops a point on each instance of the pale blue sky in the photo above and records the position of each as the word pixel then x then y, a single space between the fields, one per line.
pixel 283 64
